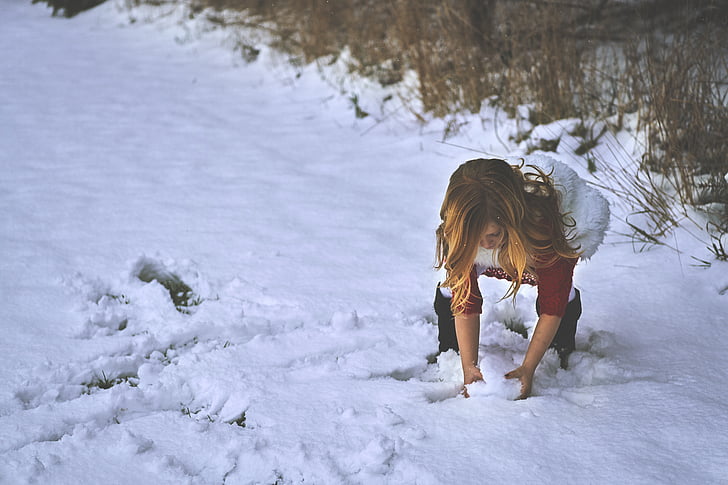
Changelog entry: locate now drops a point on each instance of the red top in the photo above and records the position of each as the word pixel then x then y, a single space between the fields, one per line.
pixel 553 282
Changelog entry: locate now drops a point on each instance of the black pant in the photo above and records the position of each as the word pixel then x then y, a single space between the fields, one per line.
pixel 445 323
pixel 563 342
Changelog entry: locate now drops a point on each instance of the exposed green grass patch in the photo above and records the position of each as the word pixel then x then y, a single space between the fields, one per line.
pixel 104 381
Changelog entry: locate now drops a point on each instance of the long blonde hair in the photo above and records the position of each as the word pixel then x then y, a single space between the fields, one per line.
pixel 526 206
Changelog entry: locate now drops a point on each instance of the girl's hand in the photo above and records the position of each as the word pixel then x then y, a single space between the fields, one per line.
pixel 470 374
pixel 524 375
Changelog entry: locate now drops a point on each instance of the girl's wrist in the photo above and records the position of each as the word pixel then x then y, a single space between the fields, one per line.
pixel 529 366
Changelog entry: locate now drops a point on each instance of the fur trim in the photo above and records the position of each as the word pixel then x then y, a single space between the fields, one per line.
pixel 585 204
pixel 486 258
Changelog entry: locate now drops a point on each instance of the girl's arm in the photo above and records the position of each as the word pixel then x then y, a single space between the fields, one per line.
pixel 546 328
pixel 554 285
pixel 467 330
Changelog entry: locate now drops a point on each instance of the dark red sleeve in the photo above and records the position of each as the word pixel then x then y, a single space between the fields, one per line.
pixel 474 302
pixel 554 286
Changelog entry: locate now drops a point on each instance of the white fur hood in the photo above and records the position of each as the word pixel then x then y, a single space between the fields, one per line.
pixel 588 208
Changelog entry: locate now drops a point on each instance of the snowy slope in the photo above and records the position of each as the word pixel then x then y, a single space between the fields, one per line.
pixel 305 351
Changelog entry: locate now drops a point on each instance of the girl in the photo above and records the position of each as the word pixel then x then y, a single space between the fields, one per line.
pixel 526 227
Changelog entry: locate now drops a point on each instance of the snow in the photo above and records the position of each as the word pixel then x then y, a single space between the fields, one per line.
pixel 305 351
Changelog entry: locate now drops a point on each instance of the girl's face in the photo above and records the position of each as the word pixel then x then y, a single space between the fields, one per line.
pixel 492 236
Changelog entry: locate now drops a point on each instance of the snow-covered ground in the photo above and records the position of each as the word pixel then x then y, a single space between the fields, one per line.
pixel 305 352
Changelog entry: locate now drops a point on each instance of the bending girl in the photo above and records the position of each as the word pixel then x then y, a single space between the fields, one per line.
pixel 502 222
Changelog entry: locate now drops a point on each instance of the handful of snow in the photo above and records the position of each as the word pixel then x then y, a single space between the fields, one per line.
pixel 345 320
pixel 501 387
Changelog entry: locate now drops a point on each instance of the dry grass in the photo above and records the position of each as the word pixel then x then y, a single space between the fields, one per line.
pixel 685 83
